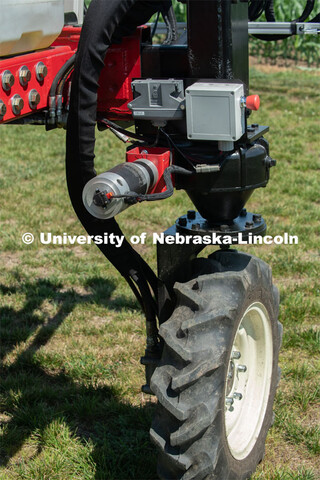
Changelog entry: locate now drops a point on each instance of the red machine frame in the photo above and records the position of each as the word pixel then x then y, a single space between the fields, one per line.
pixel 113 95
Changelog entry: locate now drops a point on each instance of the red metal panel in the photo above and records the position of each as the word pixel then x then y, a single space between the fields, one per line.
pixel 53 58
pixel 122 64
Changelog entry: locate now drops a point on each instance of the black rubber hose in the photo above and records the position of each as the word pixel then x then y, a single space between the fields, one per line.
pixel 170 20
pixel 106 22
pixel 60 74
pixel 306 12
pixel 256 9
pixel 271 18
pixel 316 19
pixel 269 11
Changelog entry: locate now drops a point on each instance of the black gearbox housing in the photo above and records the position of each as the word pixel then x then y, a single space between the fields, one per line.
pixel 220 195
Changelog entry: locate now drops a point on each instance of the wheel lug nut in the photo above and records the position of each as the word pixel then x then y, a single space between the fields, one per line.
pixel 237 396
pixel 242 368
pixel 236 355
pixel 229 401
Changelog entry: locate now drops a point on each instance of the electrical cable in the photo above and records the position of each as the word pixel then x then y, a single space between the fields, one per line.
pixel 155 25
pixel 157 196
pixel 170 20
pixel 110 124
pixel 177 148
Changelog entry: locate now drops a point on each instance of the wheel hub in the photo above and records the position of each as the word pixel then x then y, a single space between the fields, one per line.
pixel 248 380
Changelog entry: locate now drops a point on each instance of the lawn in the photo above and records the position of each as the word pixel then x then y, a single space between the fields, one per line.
pixel 72 333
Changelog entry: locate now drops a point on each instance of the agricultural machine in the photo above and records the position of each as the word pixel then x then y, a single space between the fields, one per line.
pixel 213 335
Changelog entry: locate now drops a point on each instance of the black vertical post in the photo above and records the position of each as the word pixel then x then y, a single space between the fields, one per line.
pixel 218 39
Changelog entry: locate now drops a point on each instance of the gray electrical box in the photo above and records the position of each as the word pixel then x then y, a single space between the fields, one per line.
pixel 215 111
pixel 157 100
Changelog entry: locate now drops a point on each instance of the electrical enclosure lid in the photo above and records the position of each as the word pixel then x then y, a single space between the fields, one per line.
pixel 215 111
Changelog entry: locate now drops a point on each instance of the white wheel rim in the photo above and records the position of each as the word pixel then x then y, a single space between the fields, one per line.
pixel 244 416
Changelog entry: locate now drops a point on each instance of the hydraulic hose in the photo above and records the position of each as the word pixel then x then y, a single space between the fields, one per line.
pixel 106 22
pixel 52 92
pixel 270 16
pixel 307 11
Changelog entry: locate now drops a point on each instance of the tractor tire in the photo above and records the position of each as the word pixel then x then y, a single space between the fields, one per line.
pixel 218 374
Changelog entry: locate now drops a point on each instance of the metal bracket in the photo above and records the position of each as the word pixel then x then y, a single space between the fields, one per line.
pixel 262 28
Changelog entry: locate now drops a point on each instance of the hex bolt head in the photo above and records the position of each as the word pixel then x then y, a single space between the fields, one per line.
pixel 256 218
pixel 17 104
pixel 242 368
pixel 182 221
pixel 191 214
pixel 229 401
pixel 41 71
pixel 243 212
pixel 235 355
pixel 249 224
pixel 34 98
pixel 24 75
pixel 7 79
pixel 237 396
pixel 3 109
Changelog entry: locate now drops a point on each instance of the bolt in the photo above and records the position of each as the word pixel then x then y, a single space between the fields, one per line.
pixel 224 228
pixel 3 109
pixel 34 98
pixel 243 212
pixel 256 218
pixel 41 71
pixel 24 75
pixel 144 152
pixel 182 106
pixel 235 355
pixel 229 401
pixel 17 104
pixel 195 226
pixel 183 221
pixel 7 80
pixel 270 162
pixel 249 224
pixel 237 396
pixel 255 125
pixel 129 105
pixel 242 368
pixel 191 214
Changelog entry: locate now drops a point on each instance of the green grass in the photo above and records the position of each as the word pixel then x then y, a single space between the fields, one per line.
pixel 72 333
